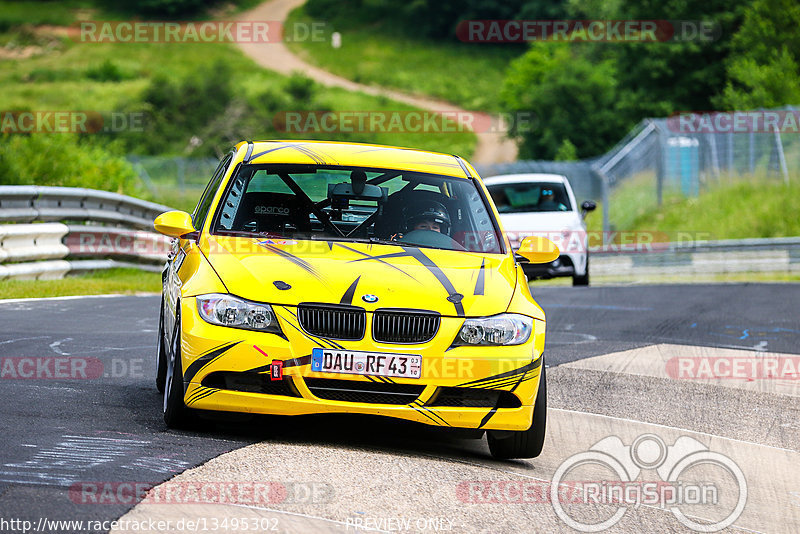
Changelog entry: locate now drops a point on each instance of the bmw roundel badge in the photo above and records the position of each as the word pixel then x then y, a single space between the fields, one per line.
pixel 370 298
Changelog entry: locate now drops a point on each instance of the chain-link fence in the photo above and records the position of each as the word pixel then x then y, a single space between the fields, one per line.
pixel 679 156
pixel 174 181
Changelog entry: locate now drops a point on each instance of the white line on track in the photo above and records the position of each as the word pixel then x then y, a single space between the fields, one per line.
pixel 74 297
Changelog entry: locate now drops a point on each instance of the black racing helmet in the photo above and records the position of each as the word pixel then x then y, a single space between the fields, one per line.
pixel 429 210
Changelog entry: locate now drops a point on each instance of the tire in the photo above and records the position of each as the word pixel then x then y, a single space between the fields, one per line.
pixel 176 414
pixel 506 445
pixel 161 353
pixel 582 280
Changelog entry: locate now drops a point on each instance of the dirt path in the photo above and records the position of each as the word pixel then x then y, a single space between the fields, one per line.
pixel 491 148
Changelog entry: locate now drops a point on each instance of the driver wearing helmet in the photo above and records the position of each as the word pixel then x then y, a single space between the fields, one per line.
pixel 430 215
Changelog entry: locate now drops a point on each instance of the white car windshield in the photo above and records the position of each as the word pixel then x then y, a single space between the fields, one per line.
pixel 530 196
pixel 357 204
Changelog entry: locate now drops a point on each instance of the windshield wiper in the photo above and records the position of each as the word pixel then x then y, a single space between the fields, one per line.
pixel 370 240
pixel 253 235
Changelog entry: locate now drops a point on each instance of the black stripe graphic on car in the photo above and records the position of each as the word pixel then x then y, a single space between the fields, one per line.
pixel 317 340
pixel 480 282
pixel 205 359
pixel 507 381
pixel 256 156
pixel 303 264
pixel 378 258
pixel 425 414
pixel 418 404
pixel 489 415
pixel 197 392
pixel 440 276
pixel 514 372
pixel 432 267
pixel 347 298
pixel 319 160
pixel 205 394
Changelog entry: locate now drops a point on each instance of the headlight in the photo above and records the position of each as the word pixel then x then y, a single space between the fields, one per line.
pixel 227 310
pixel 503 329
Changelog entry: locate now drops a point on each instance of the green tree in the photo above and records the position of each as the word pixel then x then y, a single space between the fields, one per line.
pixel 573 98
pixel 764 70
pixel 566 152
pixel 675 75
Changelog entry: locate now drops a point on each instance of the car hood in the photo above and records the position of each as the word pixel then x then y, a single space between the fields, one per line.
pixel 289 272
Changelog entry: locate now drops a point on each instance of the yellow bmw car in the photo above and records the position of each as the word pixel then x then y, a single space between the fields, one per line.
pixel 322 277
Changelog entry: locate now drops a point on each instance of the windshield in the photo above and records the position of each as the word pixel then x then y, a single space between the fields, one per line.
pixel 355 203
pixel 530 196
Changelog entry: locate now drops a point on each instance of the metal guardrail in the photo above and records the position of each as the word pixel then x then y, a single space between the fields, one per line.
pixel 85 241
pixel 26 204
pixel 25 242
pixel 38 248
pixel 774 255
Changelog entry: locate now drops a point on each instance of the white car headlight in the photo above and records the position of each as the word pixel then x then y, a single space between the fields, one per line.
pixel 227 310
pixel 503 329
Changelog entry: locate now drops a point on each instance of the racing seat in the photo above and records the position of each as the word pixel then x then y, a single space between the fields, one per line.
pixel 271 212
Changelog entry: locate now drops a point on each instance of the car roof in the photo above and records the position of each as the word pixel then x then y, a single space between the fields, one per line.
pixel 527 177
pixel 354 154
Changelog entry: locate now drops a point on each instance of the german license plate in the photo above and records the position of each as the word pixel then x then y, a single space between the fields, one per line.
pixel 366 363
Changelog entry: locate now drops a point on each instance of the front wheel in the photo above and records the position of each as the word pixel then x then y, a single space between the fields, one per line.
pixel 582 280
pixel 161 353
pixel 525 443
pixel 176 414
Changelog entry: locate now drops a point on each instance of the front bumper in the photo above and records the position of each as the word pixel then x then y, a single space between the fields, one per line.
pixel 499 383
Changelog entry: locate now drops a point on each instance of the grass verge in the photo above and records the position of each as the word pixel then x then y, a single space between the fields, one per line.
pixel 466 74
pixel 123 280
pixel 747 207
pixel 67 75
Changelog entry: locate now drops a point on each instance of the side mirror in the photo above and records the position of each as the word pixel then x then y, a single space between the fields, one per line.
pixel 537 249
pixel 174 223
pixel 587 206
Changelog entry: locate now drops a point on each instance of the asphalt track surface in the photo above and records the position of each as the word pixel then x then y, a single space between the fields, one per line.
pixel 606 354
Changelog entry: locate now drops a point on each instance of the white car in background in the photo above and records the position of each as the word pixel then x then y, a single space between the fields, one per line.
pixel 544 205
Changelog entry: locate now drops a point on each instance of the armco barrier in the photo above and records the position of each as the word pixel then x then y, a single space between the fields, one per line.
pixel 37 247
pixel 22 203
pixel 25 242
pixel 774 255
pixel 94 241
